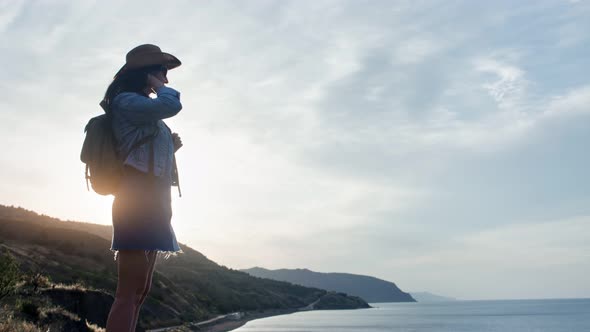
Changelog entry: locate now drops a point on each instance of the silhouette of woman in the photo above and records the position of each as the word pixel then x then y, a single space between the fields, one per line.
pixel 142 209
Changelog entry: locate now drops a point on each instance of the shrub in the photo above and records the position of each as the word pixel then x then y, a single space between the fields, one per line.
pixel 9 273
pixel 37 280
pixel 28 307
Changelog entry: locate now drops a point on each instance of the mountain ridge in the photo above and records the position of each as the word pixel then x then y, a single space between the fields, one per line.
pixel 369 288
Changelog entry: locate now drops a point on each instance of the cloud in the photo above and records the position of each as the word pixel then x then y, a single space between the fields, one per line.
pixel 555 242
pixel 9 10
pixel 510 84
pixel 573 103
pixel 510 255
pixel 415 50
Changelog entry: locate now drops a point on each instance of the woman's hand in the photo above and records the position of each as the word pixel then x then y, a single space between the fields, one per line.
pixel 154 82
pixel 177 141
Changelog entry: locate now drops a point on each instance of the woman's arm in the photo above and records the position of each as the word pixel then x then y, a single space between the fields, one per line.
pixel 140 109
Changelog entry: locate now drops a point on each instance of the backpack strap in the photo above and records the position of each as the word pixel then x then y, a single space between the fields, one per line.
pixel 175 177
pixel 151 161
pixel 87 175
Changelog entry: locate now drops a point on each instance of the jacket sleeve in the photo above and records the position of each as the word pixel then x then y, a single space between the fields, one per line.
pixel 140 109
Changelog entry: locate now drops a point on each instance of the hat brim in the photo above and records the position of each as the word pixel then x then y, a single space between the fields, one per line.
pixel 157 58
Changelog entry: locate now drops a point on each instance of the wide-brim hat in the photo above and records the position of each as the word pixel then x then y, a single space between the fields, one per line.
pixel 148 55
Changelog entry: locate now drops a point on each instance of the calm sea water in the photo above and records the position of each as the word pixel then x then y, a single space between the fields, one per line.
pixel 571 315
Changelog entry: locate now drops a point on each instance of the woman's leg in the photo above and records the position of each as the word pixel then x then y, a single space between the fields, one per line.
pixel 152 261
pixel 133 268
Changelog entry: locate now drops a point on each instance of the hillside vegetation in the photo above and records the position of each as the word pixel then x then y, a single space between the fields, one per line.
pixel 74 258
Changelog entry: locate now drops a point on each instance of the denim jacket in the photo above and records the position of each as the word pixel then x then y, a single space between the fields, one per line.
pixel 136 116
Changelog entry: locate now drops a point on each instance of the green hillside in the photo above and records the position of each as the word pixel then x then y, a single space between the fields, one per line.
pixel 75 258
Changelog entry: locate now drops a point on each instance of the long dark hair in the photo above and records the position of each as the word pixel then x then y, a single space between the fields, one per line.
pixel 134 80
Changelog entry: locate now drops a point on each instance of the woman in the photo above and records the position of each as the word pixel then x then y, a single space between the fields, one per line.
pixel 142 206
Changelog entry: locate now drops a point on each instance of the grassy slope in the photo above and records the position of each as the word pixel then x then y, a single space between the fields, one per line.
pixel 188 287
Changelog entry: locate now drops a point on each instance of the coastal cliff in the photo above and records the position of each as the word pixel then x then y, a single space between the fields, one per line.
pixel 73 261
pixel 368 288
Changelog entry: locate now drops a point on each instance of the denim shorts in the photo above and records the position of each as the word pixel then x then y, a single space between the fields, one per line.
pixel 142 213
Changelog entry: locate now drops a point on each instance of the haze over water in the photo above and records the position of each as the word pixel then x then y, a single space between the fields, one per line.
pixel 571 315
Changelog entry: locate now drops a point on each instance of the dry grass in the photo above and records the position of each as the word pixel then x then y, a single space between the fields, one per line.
pixel 58 310
pixel 94 327
pixel 76 286
pixel 11 325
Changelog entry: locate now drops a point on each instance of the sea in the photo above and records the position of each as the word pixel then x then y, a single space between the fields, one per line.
pixel 563 315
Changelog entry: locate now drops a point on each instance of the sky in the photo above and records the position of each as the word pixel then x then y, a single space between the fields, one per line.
pixel 440 145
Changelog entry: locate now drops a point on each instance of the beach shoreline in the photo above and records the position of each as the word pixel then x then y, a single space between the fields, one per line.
pixel 230 325
pixel 225 324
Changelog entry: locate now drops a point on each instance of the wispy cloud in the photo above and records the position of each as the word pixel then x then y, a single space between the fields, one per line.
pixel 9 10
pixel 509 85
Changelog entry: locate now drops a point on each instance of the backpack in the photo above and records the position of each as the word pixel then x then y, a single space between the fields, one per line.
pixel 104 167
